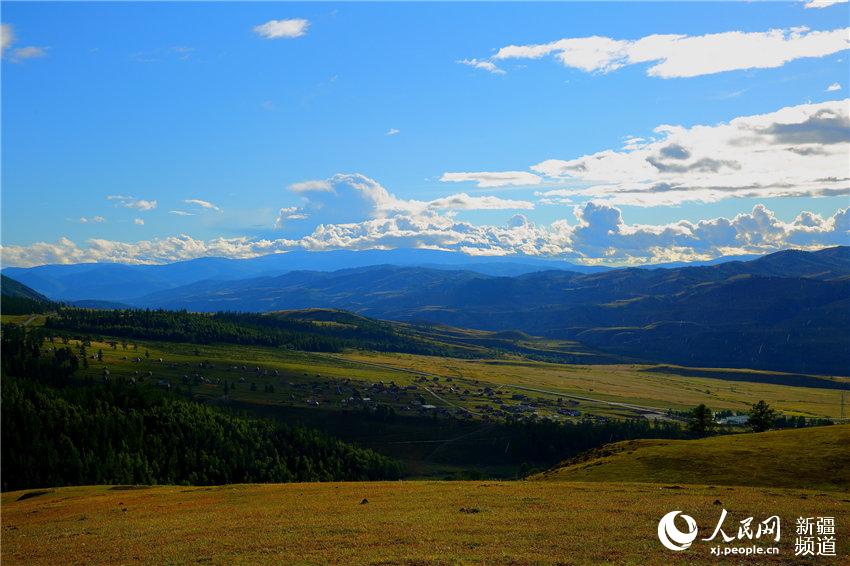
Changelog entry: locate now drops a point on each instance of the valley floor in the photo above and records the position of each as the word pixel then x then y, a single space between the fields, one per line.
pixel 523 522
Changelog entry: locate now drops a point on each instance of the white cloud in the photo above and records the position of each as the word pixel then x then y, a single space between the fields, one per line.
pixel 138 222
pixel 133 202
pixel 822 3
pixel 202 204
pixel 288 213
pixel 311 186
pixel 597 235
pixel 392 132
pixel 23 53
pixel 180 213
pixel 141 204
pixel 351 197
pixel 92 219
pixel 160 250
pixel 488 66
pixel 277 29
pixel 833 87
pixel 673 55
pixel 7 37
pixel 487 179
pixel 462 201
pixel 18 54
pixel 796 151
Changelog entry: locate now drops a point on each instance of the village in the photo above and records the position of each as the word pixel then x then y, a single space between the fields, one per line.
pixel 222 383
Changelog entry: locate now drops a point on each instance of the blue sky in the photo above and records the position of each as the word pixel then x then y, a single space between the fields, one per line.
pixel 189 102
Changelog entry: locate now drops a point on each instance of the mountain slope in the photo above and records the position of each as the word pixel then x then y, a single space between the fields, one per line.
pixel 736 314
pixel 816 457
pixel 17 298
pixel 11 288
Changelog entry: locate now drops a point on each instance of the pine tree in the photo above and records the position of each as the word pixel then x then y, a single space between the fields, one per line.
pixel 701 421
pixel 762 417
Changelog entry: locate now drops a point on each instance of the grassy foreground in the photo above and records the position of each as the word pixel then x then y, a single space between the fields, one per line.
pixel 402 523
pixel 816 457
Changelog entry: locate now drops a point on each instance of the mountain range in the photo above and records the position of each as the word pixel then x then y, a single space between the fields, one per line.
pixel 102 284
pixel 120 282
pixel 787 311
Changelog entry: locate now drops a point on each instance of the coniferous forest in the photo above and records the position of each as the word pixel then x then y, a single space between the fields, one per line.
pixel 239 328
pixel 56 432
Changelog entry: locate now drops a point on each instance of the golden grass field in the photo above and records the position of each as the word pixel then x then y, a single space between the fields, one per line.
pixel 598 385
pixel 403 523
pixel 629 383
pixel 478 522
pixel 600 509
pixel 813 457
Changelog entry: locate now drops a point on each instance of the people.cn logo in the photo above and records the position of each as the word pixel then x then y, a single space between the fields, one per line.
pixel 671 537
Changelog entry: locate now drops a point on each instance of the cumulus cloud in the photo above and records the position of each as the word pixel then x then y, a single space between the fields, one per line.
pixel 138 222
pixel 487 179
pixel 676 55
pixel 392 132
pixel 794 152
pixel 598 234
pixel 160 250
pixel 278 29
pixel 202 204
pixel 833 87
pixel 288 213
pixel 351 197
pixel 132 202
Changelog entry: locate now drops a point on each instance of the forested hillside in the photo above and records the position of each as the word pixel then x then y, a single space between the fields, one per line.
pixel 787 311
pixel 17 298
pixel 55 432
pixel 275 329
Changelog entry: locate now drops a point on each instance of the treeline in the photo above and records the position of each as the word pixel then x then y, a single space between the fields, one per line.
pixel 237 328
pixel 23 356
pixel 24 305
pixel 549 442
pixel 115 433
pixel 16 298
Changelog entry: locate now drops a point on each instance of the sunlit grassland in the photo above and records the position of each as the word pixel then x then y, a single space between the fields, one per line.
pixel 27 319
pixel 402 523
pixel 597 384
pixel 625 383
pixel 817 457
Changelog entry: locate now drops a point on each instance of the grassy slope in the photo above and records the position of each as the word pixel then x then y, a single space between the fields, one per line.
pixel 627 384
pixel 403 523
pixel 613 383
pixel 815 458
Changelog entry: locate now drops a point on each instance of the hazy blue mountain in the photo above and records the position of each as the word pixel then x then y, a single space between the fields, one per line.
pixel 17 298
pixel 786 311
pixel 119 282
pixel 11 288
